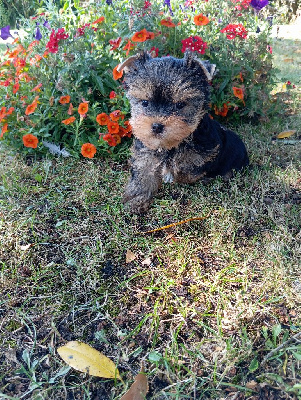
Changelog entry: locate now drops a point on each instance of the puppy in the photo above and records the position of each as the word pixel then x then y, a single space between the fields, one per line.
pixel 175 140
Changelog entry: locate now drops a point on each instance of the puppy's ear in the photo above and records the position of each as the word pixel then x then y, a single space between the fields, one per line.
pixel 191 61
pixel 137 60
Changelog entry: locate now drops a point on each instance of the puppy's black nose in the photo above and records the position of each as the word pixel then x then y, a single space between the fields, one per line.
pixel 157 128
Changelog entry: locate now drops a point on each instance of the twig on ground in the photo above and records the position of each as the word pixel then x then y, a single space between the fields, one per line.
pixel 281 346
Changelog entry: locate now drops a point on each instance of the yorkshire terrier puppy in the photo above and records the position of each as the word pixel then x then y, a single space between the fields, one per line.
pixel 175 140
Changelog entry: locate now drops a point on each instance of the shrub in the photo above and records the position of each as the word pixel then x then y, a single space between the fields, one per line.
pixel 60 83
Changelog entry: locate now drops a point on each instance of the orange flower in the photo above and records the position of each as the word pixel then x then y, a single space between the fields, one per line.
pixel 238 92
pixel 128 128
pixel 113 127
pixel 223 111
pixel 4 129
pixel 99 20
pixel 129 46
pixel 117 74
pixel 37 88
pixel 110 139
pixel 16 88
pixel 201 20
pixel 30 140
pixel 167 22
pixel 83 108
pixel 68 121
pixel 150 35
pixel 116 115
pixel 70 109
pixel 102 119
pixel 140 36
pixel 88 150
pixel 64 99
pixel 2 113
pixel 10 110
pixel 31 108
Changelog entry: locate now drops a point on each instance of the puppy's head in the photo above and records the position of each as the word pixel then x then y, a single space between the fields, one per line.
pixel 168 97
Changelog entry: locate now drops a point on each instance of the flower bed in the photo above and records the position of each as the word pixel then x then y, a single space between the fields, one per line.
pixel 63 93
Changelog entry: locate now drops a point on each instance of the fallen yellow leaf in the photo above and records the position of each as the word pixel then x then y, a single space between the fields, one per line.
pixel 285 134
pixel 138 389
pixel 84 358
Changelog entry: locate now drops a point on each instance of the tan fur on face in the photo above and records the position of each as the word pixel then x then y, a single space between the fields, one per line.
pixel 175 131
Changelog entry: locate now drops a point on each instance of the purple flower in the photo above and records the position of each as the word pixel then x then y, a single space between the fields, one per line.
pixel 259 4
pixel 46 24
pixel 5 33
pixel 109 2
pixel 167 3
pixel 38 35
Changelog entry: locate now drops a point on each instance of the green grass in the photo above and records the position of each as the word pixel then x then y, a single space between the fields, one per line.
pixel 203 304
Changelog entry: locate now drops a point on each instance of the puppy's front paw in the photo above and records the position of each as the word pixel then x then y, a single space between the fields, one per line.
pixel 136 204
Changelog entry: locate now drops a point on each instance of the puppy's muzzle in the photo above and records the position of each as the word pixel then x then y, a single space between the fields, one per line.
pixel 157 128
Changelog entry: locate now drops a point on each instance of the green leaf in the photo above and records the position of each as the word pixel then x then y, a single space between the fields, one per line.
pixel 38 177
pixel 297 355
pixel 254 365
pixel 154 356
pixel 276 330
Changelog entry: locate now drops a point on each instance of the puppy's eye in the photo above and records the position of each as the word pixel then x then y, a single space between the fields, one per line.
pixel 144 103
pixel 180 104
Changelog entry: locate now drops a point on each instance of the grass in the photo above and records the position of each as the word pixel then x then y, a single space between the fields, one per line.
pixel 212 307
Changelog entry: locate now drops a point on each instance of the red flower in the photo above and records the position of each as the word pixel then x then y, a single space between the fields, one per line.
pixel 154 51
pixel 115 43
pixel 53 44
pixel 194 43
pixel 16 88
pixel 233 31
pixel 112 95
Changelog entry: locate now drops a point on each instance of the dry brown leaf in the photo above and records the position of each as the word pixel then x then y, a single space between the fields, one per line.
pixel 251 385
pixel 288 60
pixel 130 256
pixel 285 134
pixel 138 389
pixel 147 262
pixel 84 358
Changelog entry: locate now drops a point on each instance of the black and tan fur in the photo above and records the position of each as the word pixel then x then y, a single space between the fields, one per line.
pixel 175 140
